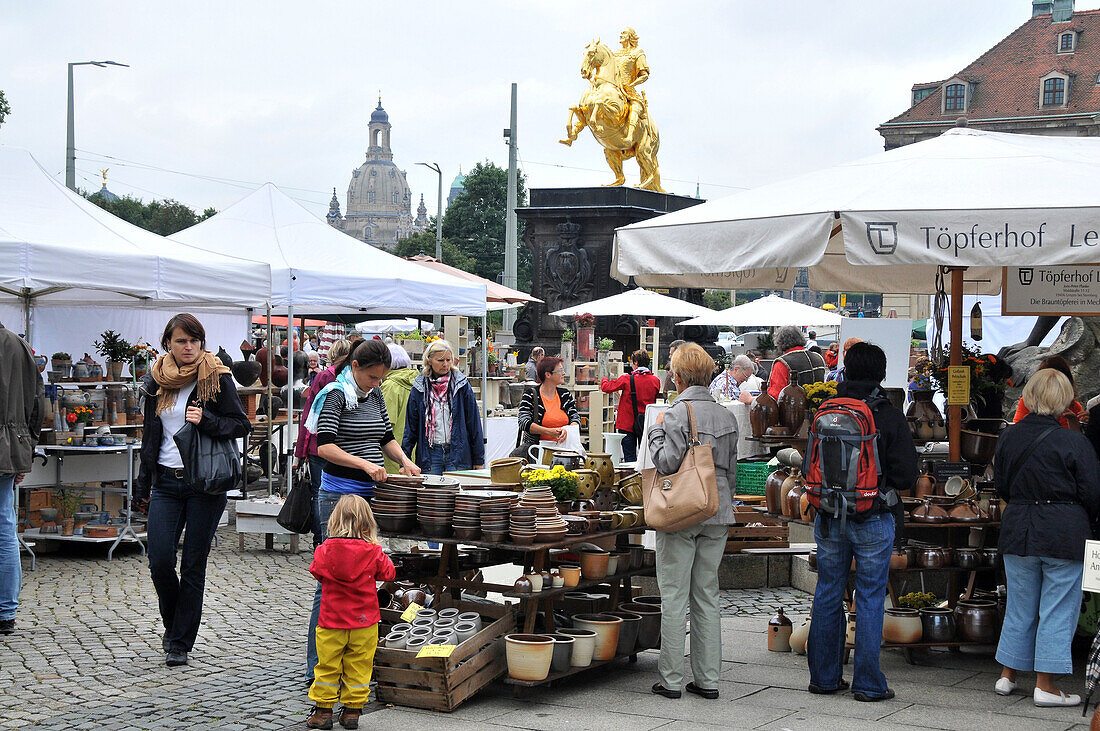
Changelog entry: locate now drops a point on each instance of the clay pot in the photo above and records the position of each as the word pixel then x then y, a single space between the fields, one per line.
pixel 779 632
pixel 976 620
pixel 584 644
pixel 850 632
pixel 989 557
pixel 937 625
pixel 924 486
pixel 806 511
pixel 902 626
pixel 594 564
pixel 927 512
pixel 601 463
pixel 529 656
pixel 899 559
pixel 588 481
pixel 912 553
pixel 931 558
pixel 628 631
pixel 799 636
pixel 649 629
pixel 792 407
pixel 794 498
pixel 571 574
pixel 563 652
pixel 967 558
pixel 506 471
pixel 606 627
pixel 948 556
pixel 763 413
pixel 523 585
pixel 967 512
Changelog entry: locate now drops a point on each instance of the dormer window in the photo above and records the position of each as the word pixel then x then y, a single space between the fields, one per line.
pixel 1067 42
pixel 1054 90
pixel 954 99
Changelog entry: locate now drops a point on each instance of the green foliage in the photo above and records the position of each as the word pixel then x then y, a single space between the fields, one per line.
pixel 567 335
pixel 424 243
pixel 67 502
pixel 5 108
pixel 475 222
pixel 113 346
pixel 61 355
pixel 605 344
pixel 164 217
pixel 765 343
pixel 717 299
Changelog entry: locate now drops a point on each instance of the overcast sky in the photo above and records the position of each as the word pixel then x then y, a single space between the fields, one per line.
pixel 743 92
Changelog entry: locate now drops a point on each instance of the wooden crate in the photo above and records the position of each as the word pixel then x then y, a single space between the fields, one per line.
pixel 773 533
pixel 444 683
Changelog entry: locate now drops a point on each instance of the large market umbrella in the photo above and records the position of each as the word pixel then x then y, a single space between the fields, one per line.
pixel 969 200
pixel 770 311
pixel 493 292
pixel 639 302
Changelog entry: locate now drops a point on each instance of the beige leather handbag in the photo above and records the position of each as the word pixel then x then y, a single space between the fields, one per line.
pixel 686 498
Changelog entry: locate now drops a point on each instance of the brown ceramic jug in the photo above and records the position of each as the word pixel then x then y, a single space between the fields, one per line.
pixel 784 492
pixel 779 632
pixel 899 559
pixel 794 498
pixel 924 486
pixel 792 407
pixel 763 413
pixel 772 485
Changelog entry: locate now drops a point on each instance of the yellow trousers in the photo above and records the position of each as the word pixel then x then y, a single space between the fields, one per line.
pixel 345 659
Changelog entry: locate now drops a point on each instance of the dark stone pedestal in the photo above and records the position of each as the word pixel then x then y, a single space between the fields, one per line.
pixel 570 233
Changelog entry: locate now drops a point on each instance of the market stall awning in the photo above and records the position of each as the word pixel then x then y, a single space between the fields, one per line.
pixel 638 302
pixel 967 198
pixel 493 292
pixel 281 321
pixel 317 269
pixel 770 311
pixel 57 247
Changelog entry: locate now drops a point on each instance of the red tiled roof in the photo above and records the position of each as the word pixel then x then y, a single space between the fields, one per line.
pixel 1006 77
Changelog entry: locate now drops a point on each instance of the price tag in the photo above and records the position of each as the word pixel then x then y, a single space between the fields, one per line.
pixel 1090 578
pixel 958 385
pixel 943 471
pixel 436 651
pixel 410 614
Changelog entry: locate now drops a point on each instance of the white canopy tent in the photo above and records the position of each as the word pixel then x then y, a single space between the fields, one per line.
pixel 317 269
pixel 60 251
pixel 969 200
pixel 400 325
pixel 640 302
pixel 770 311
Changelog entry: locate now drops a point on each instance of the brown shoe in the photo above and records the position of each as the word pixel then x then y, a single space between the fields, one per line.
pixel 349 717
pixel 321 718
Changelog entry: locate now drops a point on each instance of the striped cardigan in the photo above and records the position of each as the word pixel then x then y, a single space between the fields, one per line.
pixel 531 411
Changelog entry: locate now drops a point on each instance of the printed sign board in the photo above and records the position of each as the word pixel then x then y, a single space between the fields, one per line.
pixel 1058 290
pixel 1090 579
pixel 958 385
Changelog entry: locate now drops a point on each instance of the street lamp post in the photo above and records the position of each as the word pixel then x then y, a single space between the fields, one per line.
pixel 438 220
pixel 70 134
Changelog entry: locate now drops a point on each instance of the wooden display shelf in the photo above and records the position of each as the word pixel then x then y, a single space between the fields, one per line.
pixel 581 585
pixel 566 673
pixel 568 540
pixel 916 645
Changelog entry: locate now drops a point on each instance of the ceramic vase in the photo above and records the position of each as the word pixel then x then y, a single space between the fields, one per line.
pixel 779 632
pixel 976 620
pixel 792 407
pixel 763 413
pixel 772 486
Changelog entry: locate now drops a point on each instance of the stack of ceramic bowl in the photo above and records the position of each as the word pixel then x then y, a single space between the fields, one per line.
pixel 494 518
pixel 447 627
pixel 435 508
pixel 549 525
pixel 521 526
pixel 394 507
pixel 467 518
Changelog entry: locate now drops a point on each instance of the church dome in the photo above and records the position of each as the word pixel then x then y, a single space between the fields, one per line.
pixel 379 114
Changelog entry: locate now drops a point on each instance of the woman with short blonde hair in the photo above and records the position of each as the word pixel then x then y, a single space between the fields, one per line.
pixel 1048 393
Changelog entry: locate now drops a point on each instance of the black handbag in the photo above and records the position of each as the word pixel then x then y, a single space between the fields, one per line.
pixel 296 515
pixel 210 465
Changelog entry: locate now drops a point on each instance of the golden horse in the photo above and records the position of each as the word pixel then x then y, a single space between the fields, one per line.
pixel 605 109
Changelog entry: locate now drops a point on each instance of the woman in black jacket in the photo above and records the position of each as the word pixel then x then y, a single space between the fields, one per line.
pixel 544 412
pixel 1050 478
pixel 187 384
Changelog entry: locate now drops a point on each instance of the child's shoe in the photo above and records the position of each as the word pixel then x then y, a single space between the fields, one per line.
pixel 321 718
pixel 349 717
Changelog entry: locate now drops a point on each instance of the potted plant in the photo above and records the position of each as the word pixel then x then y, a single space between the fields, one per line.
pixel 67 503
pixel 604 357
pixel 492 359
pixel 78 418
pixel 586 335
pixel 116 350
pixel 141 354
pixel 62 363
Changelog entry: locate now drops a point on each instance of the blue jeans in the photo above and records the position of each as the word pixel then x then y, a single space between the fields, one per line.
pixel 11 571
pixel 1044 601
pixel 870 542
pixel 441 459
pixel 630 446
pixel 316 467
pixel 173 505
pixel 326 501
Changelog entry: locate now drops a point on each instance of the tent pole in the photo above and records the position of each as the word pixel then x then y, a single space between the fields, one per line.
pixel 954 413
pixel 290 433
pixel 27 317
pixel 485 376
pixel 270 411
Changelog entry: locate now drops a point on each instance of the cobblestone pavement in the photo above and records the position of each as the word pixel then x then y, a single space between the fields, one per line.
pixel 764 602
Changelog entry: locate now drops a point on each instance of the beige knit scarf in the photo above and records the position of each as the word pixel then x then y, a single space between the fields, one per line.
pixel 171 377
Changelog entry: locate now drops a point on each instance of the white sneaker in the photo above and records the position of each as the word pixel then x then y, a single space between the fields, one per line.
pixel 1050 700
pixel 1004 686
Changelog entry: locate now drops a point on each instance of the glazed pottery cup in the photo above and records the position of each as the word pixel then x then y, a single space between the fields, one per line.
pixel 584 645
pixel 529 656
pixel 472 617
pixel 465 630
pixel 397 640
pixel 571 575
pixel 588 481
pixel 557 580
pixel 955 485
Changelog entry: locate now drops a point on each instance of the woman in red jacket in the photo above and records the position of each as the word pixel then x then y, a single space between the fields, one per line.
pixel 641 386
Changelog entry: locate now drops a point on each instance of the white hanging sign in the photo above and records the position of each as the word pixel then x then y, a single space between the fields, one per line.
pixel 1057 290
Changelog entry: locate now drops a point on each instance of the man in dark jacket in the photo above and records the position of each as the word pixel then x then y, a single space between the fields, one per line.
pixel 21 393
pixel 868 537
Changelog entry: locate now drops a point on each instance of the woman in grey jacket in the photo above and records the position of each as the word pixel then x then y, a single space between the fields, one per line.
pixel 687 559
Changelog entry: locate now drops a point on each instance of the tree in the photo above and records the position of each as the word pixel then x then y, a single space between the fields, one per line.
pixel 475 222
pixel 716 299
pixel 164 217
pixel 424 243
pixel 5 109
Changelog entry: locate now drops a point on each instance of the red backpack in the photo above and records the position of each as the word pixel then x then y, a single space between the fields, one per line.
pixel 841 466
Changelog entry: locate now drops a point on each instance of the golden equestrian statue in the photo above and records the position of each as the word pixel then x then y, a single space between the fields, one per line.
pixel 616 111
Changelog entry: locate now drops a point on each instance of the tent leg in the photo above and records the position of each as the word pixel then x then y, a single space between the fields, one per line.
pixel 290 433
pixel 954 413
pixel 270 411
pixel 485 376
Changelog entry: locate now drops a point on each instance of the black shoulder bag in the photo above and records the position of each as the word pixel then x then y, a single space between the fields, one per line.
pixel 210 465
pixel 296 515
pixel 639 424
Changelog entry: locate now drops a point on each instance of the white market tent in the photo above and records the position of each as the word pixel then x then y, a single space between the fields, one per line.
pixel 68 262
pixel 640 302
pixel 770 311
pixel 968 200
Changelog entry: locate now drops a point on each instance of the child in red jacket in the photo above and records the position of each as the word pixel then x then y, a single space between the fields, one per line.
pixel 348 565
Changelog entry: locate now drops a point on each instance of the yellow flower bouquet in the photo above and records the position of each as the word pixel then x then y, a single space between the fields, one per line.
pixel 818 393
pixel 561 481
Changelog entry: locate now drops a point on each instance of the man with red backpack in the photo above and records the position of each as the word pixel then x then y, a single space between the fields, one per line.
pixel 860 454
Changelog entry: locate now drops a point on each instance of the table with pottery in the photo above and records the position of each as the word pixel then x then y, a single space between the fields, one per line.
pixel 572 558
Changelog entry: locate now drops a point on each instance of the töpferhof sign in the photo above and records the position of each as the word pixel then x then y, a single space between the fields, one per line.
pixel 1090 578
pixel 1070 290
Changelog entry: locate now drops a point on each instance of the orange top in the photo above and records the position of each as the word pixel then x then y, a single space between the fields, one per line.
pixel 553 417
pixel 1075 408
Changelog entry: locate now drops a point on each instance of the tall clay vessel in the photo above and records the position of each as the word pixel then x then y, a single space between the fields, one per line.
pixel 763 413
pixel 792 407
pixel 772 486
